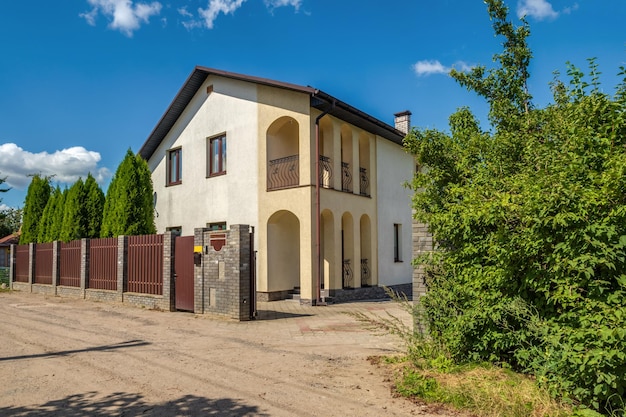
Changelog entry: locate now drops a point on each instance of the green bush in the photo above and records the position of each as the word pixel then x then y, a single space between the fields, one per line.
pixel 530 222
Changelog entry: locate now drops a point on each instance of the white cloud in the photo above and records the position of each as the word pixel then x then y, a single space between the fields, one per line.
pixel 273 4
pixel 430 67
pixel 67 165
pixel 125 15
pixel 207 16
pixel 539 9
pixel 215 7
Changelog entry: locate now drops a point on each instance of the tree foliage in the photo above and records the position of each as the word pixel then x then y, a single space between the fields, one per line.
pixel 10 221
pixel 49 229
pixel 530 224
pixel 34 204
pixel 75 221
pixel 94 207
pixel 128 208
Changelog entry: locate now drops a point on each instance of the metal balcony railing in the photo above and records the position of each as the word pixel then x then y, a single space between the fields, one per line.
pixel 348 276
pixel 283 173
pixel 364 182
pixel 365 274
pixel 326 172
pixel 346 177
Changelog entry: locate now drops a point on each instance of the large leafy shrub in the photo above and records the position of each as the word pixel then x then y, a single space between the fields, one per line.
pixel 530 224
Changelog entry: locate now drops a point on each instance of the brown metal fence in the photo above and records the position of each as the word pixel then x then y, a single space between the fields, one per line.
pixel 21 263
pixel 103 264
pixel 43 263
pixel 69 263
pixel 145 264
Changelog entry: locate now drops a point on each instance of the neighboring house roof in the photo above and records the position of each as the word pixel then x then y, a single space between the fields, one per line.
pixel 9 240
pixel 319 100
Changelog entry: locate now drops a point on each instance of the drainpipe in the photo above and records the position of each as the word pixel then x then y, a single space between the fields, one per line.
pixel 318 232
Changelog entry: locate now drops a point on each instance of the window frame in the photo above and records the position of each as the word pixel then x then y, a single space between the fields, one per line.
pixel 222 155
pixel 397 242
pixel 177 152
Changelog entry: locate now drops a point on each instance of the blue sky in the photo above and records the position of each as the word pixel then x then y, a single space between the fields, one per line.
pixel 82 82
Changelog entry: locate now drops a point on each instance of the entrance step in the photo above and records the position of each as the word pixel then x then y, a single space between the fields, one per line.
pixel 294 294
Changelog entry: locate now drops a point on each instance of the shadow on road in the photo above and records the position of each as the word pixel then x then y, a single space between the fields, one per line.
pixel 276 315
pixel 126 404
pixel 105 348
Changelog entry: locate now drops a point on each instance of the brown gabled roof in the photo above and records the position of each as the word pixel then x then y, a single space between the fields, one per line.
pixel 11 239
pixel 319 100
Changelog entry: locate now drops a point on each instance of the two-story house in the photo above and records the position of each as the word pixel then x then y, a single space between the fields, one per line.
pixel 321 181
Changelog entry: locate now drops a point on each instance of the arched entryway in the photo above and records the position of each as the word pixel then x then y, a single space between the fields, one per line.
pixel 283 251
pixel 327 250
pixel 367 277
pixel 347 251
pixel 283 159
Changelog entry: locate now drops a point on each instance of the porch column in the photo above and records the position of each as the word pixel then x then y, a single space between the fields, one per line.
pixel 355 168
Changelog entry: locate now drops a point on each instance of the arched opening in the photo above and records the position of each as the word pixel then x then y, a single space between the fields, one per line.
pixel 283 142
pixel 327 250
pixel 283 251
pixel 364 165
pixel 346 159
pixel 367 278
pixel 347 251
pixel 326 153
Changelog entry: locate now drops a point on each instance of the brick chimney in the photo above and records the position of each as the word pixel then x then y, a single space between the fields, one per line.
pixel 403 121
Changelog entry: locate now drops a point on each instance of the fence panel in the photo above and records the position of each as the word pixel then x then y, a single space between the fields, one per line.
pixel 43 263
pixel 69 263
pixel 145 264
pixel 21 263
pixel 103 264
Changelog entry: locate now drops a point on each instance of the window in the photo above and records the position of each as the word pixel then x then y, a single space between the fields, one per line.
pixel 178 230
pixel 174 167
pixel 216 226
pixel 397 242
pixel 217 156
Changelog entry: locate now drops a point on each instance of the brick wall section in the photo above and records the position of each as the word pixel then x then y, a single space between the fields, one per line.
pixel 56 253
pixel 122 260
pixel 84 265
pixel 422 243
pixel 222 282
pixel 168 302
pixel 11 266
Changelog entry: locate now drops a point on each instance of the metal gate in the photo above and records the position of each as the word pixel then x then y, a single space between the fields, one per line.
pixel 183 273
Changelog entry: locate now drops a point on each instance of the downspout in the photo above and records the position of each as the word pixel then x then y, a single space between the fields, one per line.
pixel 318 215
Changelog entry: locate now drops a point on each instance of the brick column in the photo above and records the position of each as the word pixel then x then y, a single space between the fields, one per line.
pixel 122 258
pixel 240 236
pixel 198 273
pixel 31 266
pixel 169 239
pixel 422 243
pixel 56 254
pixel 84 265
pixel 12 267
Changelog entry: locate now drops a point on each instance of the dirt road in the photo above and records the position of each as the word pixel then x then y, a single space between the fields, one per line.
pixel 68 357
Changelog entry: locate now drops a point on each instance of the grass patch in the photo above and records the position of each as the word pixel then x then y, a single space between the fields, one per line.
pixel 479 389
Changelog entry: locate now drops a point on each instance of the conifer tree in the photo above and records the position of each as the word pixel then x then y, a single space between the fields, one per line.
pixel 74 219
pixel 128 209
pixel 34 204
pixel 46 224
pixel 94 206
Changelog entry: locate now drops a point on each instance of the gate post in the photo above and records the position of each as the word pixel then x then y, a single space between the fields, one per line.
pixel 84 265
pixel 56 253
pixel 31 266
pixel 169 242
pixel 122 259
pixel 12 267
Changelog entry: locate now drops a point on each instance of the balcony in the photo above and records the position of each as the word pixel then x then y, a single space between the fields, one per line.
pixel 346 177
pixel 283 173
pixel 364 182
pixel 326 172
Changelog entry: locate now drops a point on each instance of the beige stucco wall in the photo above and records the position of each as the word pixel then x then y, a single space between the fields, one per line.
pixel 231 109
pixel 395 167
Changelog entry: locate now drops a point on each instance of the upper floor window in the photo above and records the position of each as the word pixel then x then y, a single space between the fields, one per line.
pixel 217 156
pixel 174 166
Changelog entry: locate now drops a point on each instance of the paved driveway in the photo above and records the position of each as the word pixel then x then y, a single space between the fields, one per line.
pixel 69 357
